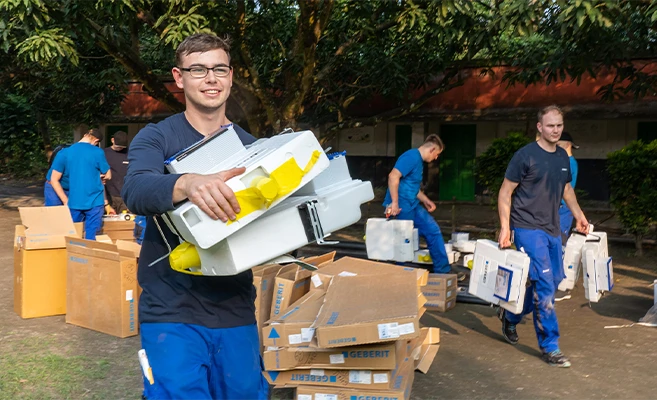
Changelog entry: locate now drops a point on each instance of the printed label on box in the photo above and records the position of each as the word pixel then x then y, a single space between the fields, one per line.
pixel 305 397
pixel 405 329
pixel 317 282
pixel 317 372
pixel 128 295
pixel 360 377
pixel 323 396
pixel 388 331
pixel 307 334
pixel 380 378
pixel 294 339
pixel 337 358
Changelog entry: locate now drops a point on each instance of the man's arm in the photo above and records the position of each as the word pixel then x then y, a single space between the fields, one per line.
pixel 393 187
pixel 424 199
pixel 571 201
pixel 504 210
pixel 57 186
pixel 147 190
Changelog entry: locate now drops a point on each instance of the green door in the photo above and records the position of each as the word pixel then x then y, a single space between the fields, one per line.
pixel 457 179
pixel 403 139
pixel 647 131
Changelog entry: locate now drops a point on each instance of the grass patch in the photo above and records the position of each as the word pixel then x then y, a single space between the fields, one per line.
pixel 30 370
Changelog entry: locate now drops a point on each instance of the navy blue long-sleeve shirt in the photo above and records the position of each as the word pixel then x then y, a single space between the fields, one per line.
pixel 170 296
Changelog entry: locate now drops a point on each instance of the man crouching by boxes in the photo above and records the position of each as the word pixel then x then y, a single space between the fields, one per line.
pixel 198 332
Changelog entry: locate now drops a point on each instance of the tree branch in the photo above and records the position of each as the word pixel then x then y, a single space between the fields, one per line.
pixel 125 55
pixel 445 85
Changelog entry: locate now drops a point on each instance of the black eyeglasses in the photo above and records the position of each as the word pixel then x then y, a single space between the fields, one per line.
pixel 199 71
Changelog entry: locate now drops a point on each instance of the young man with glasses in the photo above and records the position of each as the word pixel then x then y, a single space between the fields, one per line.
pixel 199 332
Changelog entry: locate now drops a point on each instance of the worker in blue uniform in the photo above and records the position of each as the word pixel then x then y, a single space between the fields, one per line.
pixel 536 180
pixel 405 200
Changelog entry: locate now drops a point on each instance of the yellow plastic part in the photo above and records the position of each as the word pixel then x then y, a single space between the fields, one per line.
pixel 470 264
pixel 263 191
pixel 425 258
pixel 185 257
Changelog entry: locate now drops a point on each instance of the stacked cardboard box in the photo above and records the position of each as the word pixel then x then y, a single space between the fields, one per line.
pixel 354 333
pixel 440 292
pixel 119 230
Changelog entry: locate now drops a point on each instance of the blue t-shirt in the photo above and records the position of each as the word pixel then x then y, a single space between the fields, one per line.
pixel 64 179
pixel 573 172
pixel 84 163
pixel 170 296
pixel 541 177
pixel 411 166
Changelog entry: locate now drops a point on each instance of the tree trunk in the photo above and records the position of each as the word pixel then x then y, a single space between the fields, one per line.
pixel 44 132
pixel 638 243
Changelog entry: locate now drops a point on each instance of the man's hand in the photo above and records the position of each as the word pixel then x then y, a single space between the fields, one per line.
pixel 505 238
pixel 393 210
pixel 103 178
pixel 211 194
pixel 110 210
pixel 582 225
pixel 429 205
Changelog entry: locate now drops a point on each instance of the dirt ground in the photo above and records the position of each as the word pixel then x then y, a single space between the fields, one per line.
pixel 46 358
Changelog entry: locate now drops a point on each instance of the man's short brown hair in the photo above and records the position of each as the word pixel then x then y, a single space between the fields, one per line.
pixel 548 109
pixel 200 43
pixel 434 139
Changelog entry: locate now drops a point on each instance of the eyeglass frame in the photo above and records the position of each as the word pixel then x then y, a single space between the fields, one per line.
pixel 207 70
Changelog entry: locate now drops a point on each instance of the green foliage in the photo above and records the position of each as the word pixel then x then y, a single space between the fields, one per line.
pixel 491 165
pixel 632 180
pixel 20 151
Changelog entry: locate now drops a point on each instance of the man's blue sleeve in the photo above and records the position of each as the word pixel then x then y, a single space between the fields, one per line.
pixel 147 190
pixel 573 171
pixel 406 162
pixel 516 168
pixel 101 161
pixel 59 164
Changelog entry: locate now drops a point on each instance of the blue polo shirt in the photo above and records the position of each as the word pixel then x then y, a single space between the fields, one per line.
pixel 84 164
pixel 411 166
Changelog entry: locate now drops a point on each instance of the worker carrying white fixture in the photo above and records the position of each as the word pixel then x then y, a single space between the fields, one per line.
pixel 328 203
pixel 276 167
pixel 499 276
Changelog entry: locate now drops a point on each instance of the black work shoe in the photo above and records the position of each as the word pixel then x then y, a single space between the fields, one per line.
pixel 508 329
pixel 556 359
pixel 460 276
pixel 562 295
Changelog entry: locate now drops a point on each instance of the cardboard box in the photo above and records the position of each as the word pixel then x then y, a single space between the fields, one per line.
pixel 120 235
pixel 368 309
pixel 357 266
pixel 372 357
pixel 425 348
pixel 263 280
pixel 441 305
pixel 433 297
pixel 293 327
pixel 102 289
pixel 360 380
pixel 292 282
pixel 440 283
pixel 40 261
pixel 110 226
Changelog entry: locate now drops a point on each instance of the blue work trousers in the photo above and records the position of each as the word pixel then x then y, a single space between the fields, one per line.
pixel 93 220
pixel 565 222
pixel 545 274
pixel 428 229
pixel 50 196
pixel 194 362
